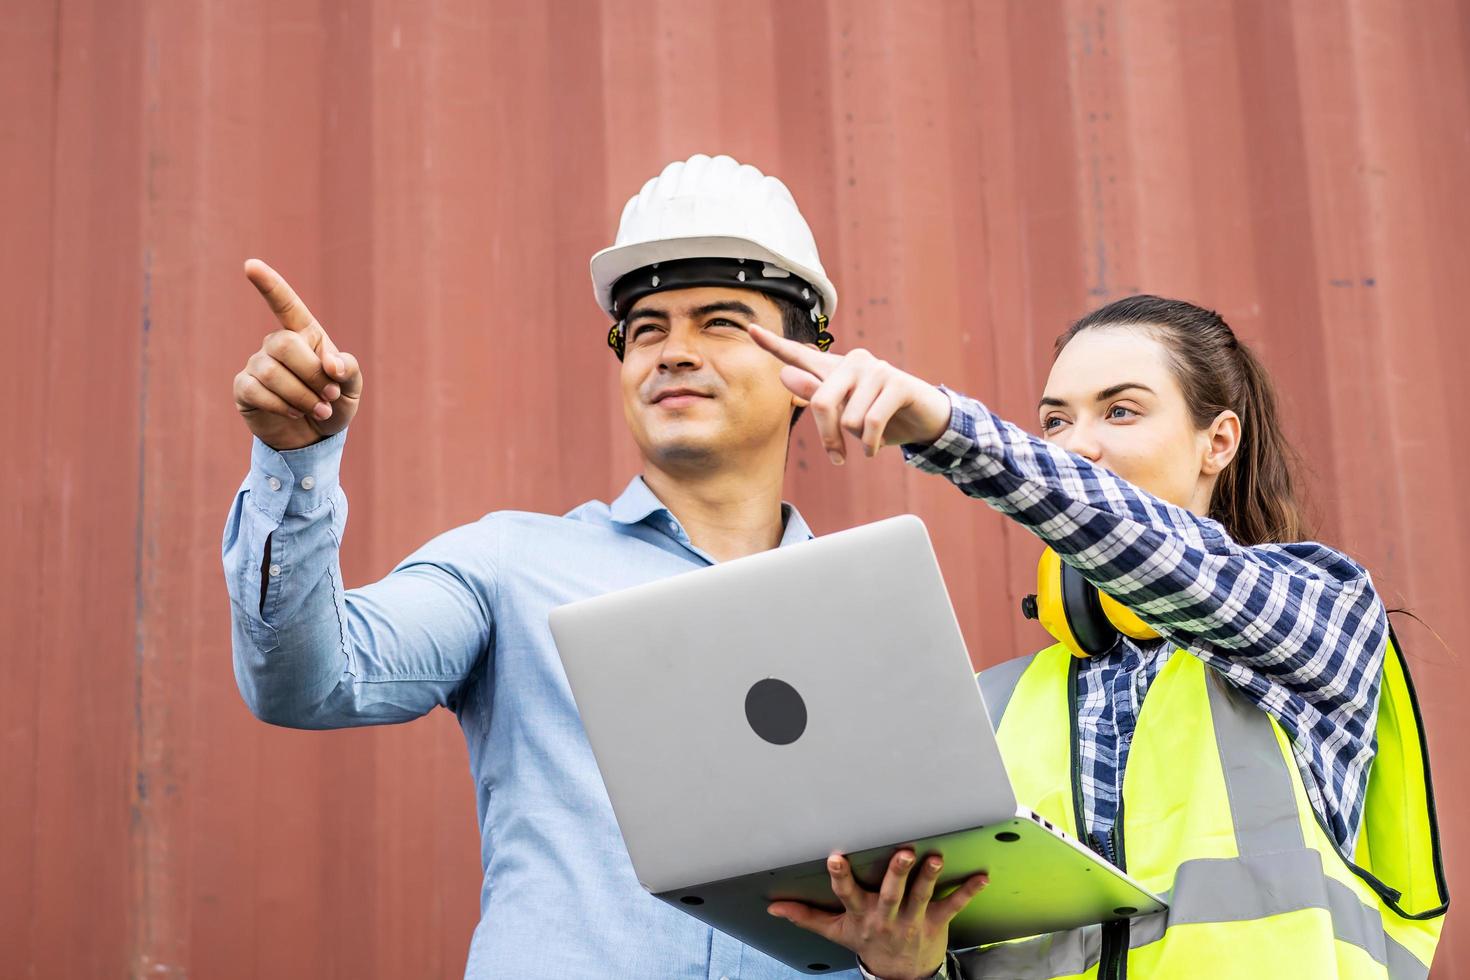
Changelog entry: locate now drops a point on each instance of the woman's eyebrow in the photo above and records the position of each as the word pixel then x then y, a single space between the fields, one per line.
pixel 1102 396
pixel 1107 393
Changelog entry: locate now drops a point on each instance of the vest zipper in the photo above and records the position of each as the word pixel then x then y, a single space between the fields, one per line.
pixel 1076 757
pixel 1113 956
pixel 1116 935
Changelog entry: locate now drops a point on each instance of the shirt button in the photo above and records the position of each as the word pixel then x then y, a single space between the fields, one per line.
pixel 275 571
pixel 273 483
pixel 308 482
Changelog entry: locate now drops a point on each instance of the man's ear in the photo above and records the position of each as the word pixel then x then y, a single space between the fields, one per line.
pixel 1224 443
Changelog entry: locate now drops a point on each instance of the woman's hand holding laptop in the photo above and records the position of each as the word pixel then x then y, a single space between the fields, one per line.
pixel 897 936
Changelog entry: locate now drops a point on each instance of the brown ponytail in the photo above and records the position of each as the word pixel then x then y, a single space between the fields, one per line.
pixel 1255 497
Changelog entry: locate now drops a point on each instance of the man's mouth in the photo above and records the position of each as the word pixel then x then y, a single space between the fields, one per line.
pixel 674 397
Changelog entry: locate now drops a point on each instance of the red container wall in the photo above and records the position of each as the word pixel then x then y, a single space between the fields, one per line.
pixel 433 177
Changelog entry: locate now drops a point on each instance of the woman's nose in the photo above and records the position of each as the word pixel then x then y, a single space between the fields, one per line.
pixel 1082 440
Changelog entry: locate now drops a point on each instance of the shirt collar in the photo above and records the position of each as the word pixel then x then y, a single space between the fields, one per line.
pixel 637 503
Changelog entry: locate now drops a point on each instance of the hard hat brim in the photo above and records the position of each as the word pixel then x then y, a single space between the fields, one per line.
pixel 611 264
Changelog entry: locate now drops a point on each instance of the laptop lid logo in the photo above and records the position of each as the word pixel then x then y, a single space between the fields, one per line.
pixel 775 711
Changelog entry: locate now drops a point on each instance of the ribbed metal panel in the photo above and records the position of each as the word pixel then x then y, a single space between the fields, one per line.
pixel 433 176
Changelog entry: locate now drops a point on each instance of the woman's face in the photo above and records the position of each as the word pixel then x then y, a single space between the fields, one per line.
pixel 1112 398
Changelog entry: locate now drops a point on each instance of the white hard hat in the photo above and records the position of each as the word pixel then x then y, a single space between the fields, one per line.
pixel 714 208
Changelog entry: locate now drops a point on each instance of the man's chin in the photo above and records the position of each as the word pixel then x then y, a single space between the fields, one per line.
pixel 685 453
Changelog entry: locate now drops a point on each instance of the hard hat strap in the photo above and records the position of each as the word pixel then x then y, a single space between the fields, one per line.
pixel 617 334
pixel 736 273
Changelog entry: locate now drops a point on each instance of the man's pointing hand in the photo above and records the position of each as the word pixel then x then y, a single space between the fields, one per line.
pixel 298 388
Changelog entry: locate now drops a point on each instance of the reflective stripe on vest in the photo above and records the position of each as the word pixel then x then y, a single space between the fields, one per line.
pixel 998 684
pixel 1217 819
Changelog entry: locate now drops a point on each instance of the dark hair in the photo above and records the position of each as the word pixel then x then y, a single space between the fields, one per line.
pixel 1255 497
pixel 796 324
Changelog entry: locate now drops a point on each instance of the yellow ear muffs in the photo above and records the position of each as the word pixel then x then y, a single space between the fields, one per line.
pixel 1083 619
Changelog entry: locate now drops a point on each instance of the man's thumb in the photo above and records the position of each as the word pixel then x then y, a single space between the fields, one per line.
pixel 350 376
pixel 332 360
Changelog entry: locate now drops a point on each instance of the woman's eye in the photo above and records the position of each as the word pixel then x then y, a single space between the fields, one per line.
pixel 1113 413
pixel 1051 423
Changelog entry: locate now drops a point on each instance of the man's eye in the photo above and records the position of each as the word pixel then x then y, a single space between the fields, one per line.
pixel 643 329
pixel 722 322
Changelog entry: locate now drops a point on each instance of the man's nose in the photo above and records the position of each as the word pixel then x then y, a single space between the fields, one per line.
pixel 679 352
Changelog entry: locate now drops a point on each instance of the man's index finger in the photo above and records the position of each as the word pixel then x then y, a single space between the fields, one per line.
pixel 279 295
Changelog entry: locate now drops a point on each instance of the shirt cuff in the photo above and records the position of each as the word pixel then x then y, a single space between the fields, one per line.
pixel 971 429
pixel 940 974
pixel 296 481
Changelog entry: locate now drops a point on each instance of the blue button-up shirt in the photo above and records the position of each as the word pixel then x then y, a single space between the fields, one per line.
pixel 462 623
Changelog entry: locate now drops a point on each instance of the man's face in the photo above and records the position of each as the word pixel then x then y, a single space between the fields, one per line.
pixel 697 391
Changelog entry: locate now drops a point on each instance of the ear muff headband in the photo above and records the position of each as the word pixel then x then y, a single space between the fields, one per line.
pixel 1095 636
pixel 1083 619
pixel 1125 620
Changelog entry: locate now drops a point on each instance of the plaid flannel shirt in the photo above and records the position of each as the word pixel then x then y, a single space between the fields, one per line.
pixel 1297 627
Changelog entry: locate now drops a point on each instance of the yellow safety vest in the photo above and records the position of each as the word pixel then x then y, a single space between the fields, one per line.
pixel 1215 818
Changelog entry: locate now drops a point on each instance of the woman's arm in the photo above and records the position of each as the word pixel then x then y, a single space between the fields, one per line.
pixel 1179 571
pixel 1298 625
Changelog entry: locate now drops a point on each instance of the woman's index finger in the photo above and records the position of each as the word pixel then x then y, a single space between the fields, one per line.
pixel 809 359
pixel 280 297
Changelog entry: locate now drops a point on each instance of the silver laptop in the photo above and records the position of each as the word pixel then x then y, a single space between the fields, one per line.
pixel 751 717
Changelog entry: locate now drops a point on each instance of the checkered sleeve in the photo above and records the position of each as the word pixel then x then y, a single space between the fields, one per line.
pixel 1297 627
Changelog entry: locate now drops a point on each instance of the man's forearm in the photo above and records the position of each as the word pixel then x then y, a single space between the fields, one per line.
pixel 280 560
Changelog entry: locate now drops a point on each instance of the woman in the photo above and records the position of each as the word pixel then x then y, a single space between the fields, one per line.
pixel 1254 799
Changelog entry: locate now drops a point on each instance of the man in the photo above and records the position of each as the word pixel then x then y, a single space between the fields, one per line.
pixel 706 249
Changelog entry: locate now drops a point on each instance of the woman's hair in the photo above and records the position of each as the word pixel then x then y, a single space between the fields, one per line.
pixel 1255 497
